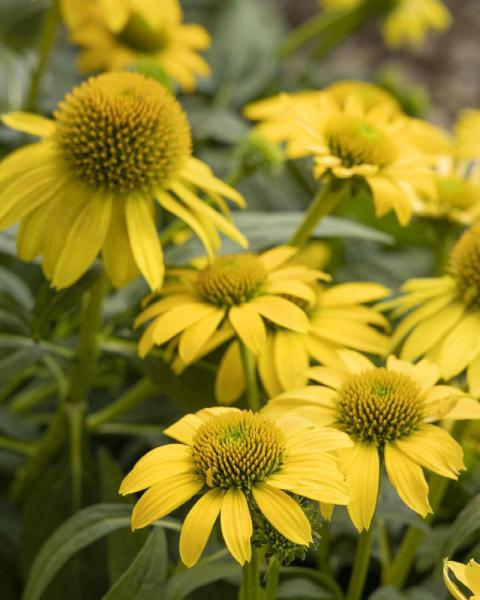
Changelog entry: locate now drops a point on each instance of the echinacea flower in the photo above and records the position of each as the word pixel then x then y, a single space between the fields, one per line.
pixel 232 296
pixel 117 145
pixel 468 575
pixel 388 412
pixel 115 35
pixel 441 315
pixel 239 462
pixel 352 139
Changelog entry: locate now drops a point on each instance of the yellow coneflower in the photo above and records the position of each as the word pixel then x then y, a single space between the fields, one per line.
pixel 443 320
pixel 406 22
pixel 468 575
pixel 115 35
pixel 355 138
pixel 410 21
pixel 118 143
pixel 231 297
pixel 239 462
pixel 388 411
pixel 338 319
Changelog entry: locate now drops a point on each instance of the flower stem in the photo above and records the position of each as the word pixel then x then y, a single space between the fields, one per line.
pixel 360 566
pixel 136 394
pixel 250 589
pixel 324 202
pixel 443 245
pixel 80 383
pixel 399 570
pixel 249 368
pixel 323 551
pixel 50 23
pixel 273 574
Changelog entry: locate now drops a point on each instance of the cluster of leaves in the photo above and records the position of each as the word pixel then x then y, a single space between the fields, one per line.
pixel 48 550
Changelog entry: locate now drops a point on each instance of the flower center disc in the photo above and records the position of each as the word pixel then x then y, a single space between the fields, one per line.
pixel 238 450
pixel 379 406
pixel 358 142
pixel 464 266
pixel 140 37
pixel 232 279
pixel 123 132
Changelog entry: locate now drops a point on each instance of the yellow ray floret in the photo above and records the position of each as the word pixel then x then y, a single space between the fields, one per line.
pixel 468 575
pixel 117 34
pixel 118 144
pixel 238 462
pixel 441 315
pixel 387 411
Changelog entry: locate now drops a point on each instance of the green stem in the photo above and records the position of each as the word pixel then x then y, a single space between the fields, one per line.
pixel 273 574
pixel 136 394
pixel 249 368
pixel 16 445
pixel 383 544
pixel 80 383
pixel 323 551
pixel 250 589
pixel 399 570
pixel 445 237
pixel 325 200
pixel 360 566
pixel 50 23
pixel 331 25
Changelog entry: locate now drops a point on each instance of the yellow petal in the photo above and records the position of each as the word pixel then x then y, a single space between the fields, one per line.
pixel 184 429
pixel 465 408
pixel 355 362
pixel 29 123
pixel 266 369
pixel 283 513
pixel 144 240
pixel 291 359
pixel 230 380
pixel 161 499
pixel 460 346
pixel 236 525
pixel 115 13
pixel 408 479
pixel 249 326
pixel 158 464
pixel 334 378
pixel 198 525
pixel 472 573
pixel 473 376
pixel 179 318
pixel 282 312
pixel 434 448
pixel 459 571
pixel 195 337
pixel 362 470
pixel 346 294
pixel 84 241
pixel 117 244
pixel 274 258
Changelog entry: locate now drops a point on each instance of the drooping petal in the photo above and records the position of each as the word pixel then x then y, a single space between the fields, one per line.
pixel 237 525
pixel 29 123
pixel 144 240
pixel 283 513
pixel 282 312
pixel 120 270
pixel 195 337
pixel 249 326
pixel 198 525
pixel 230 380
pixel 408 479
pixel 184 429
pixel 362 470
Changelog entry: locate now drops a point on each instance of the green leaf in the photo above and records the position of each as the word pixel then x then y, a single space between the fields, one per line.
pixel 81 530
pixel 242 56
pixel 182 584
pixel 147 574
pixel 264 230
pixel 14 286
pixel 18 361
pixel 466 524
